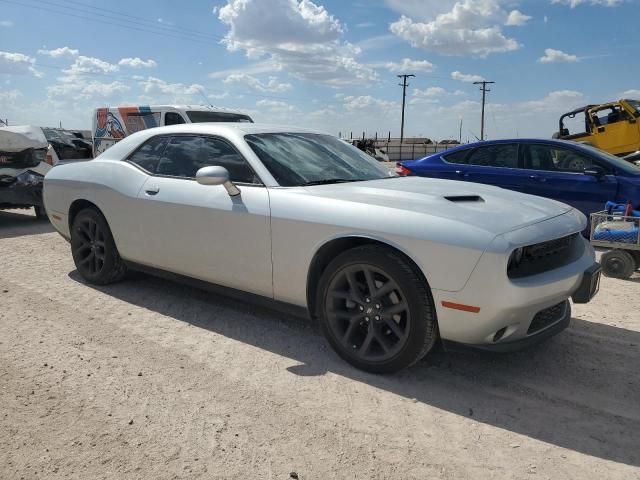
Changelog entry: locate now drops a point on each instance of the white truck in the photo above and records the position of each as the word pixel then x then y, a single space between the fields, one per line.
pixel 112 124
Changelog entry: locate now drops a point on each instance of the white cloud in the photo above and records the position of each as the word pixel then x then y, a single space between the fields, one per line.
pixel 430 92
pixel 60 52
pixel 17 64
pixel 365 25
pixel 517 19
pixel 275 106
pixel 465 77
pixel 555 56
pixel 559 100
pixel 296 35
pixel 366 102
pixel 576 3
pixel 272 86
pixel 6 23
pixel 84 65
pixel 137 63
pixel 80 88
pixel 153 84
pixel 408 65
pixel 10 95
pixel 470 27
pixel 630 94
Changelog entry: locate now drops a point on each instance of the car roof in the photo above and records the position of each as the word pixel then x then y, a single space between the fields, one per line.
pixel 566 143
pixel 196 108
pixel 221 128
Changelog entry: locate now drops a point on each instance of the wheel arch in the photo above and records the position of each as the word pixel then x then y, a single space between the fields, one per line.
pixel 334 247
pixel 77 206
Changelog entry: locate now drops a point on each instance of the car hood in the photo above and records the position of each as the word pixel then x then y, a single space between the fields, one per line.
pixel 489 208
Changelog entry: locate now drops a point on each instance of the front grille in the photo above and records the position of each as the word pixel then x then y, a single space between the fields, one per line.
pixel 545 256
pixel 547 317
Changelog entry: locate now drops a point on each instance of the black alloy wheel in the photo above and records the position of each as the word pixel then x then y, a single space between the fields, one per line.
pixel 93 248
pixel 376 310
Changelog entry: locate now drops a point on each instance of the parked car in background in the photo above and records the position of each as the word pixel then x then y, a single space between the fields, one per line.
pixel 387 265
pixel 23 151
pixel 66 145
pixel 579 175
pixel 112 124
pixel 612 127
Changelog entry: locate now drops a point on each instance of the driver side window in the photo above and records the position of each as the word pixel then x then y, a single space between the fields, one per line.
pixel 185 155
pixel 551 159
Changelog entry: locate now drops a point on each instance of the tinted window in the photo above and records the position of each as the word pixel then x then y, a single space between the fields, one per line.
pixel 202 117
pixel 184 156
pixel 552 159
pixel 505 156
pixel 173 118
pixel 147 156
pixel 461 157
pixel 300 158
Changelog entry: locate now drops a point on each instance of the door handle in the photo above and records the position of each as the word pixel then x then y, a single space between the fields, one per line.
pixel 152 190
pixel 538 178
pixel 460 173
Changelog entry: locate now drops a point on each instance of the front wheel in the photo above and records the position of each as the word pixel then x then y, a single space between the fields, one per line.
pixel 376 310
pixel 41 213
pixel 94 250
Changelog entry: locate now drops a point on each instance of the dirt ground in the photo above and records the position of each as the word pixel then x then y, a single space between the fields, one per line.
pixel 149 379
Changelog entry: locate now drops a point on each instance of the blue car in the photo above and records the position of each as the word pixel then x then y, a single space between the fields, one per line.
pixel 579 175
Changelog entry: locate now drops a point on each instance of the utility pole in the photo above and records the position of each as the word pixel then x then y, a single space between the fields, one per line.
pixel 484 91
pixel 404 86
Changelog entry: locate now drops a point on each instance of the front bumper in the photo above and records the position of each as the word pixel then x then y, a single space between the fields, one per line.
pixel 24 191
pixel 502 310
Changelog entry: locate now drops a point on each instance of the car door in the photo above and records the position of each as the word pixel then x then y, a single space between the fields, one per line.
pixel 559 174
pixel 199 230
pixel 496 164
pixel 446 165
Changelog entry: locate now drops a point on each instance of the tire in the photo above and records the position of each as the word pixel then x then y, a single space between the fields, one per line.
pixel 618 264
pixel 380 332
pixel 41 213
pixel 636 256
pixel 94 250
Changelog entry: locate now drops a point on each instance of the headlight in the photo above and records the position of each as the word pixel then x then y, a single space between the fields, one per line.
pixel 29 178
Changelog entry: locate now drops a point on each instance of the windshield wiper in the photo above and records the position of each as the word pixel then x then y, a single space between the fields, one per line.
pixel 327 181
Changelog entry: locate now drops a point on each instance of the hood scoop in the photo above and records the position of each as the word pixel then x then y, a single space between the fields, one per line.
pixel 464 198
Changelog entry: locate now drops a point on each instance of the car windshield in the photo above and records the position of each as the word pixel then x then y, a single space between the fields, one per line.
pixel 634 104
pixel 296 159
pixel 204 117
pixel 617 162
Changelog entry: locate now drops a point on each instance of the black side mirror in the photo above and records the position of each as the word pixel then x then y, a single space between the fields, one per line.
pixel 594 171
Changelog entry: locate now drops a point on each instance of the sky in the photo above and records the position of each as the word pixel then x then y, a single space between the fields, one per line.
pixel 326 64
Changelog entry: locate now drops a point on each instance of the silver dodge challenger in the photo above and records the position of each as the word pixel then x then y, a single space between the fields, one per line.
pixel 388 266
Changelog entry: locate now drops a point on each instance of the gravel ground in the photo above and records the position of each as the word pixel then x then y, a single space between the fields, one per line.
pixel 149 379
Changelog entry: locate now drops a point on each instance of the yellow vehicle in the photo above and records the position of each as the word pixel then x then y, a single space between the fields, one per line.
pixel 613 127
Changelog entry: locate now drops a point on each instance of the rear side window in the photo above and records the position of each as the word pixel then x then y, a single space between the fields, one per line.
pixel 149 154
pixel 460 157
pixel 173 118
pixel 503 156
pixel 185 155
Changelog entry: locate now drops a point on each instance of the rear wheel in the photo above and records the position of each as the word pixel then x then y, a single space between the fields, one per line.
pixel 376 310
pixel 618 264
pixel 94 250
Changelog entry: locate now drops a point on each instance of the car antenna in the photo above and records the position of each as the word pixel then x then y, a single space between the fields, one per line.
pixel 206 98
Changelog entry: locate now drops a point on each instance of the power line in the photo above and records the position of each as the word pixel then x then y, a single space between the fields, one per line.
pixel 484 91
pixel 153 30
pixel 404 86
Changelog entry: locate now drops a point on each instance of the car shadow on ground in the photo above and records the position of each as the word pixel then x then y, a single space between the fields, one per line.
pixel 18 223
pixel 579 391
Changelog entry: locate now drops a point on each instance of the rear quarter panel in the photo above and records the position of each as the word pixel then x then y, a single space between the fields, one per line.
pixel 111 185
